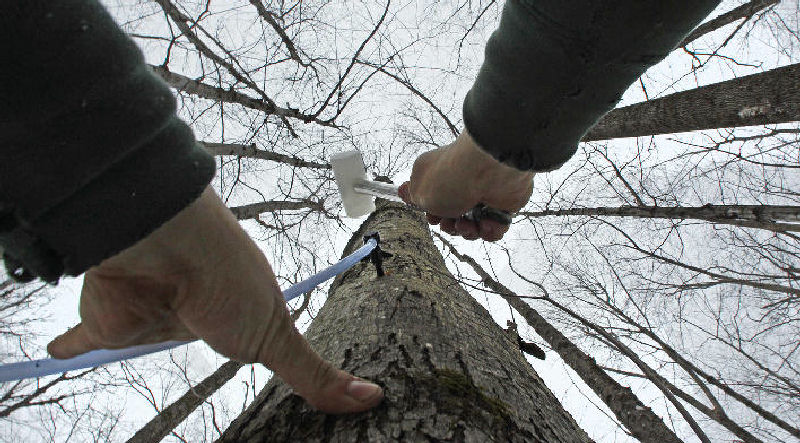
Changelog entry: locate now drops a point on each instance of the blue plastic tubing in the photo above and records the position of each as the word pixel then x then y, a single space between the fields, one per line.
pixel 91 359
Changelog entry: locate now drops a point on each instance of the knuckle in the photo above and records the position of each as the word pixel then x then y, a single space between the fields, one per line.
pixel 324 374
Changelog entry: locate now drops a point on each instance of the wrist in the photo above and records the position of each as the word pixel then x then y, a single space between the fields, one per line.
pixel 188 242
pixel 466 155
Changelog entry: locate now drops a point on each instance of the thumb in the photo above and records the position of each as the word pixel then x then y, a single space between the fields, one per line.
pixel 404 191
pixel 71 343
pixel 324 387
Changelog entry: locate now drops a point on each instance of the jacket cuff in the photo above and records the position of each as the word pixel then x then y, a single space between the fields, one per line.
pixel 125 204
pixel 553 69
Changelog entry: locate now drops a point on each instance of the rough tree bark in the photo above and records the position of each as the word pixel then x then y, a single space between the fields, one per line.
pixel 448 370
pixel 767 98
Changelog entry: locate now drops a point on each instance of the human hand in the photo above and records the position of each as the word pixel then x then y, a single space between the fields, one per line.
pixel 200 275
pixel 449 181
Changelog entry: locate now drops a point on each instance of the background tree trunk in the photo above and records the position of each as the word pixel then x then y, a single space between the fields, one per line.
pixel 636 416
pixel 173 415
pixel 760 99
pixel 768 217
pixel 448 370
pixel 251 151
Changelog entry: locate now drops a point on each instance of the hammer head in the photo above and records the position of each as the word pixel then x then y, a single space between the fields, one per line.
pixel 348 169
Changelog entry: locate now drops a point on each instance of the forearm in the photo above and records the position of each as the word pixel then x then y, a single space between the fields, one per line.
pixel 93 156
pixel 553 68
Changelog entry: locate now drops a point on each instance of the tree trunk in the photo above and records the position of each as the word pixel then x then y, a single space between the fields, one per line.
pixel 637 417
pixel 770 217
pixel 760 99
pixel 448 370
pixel 173 415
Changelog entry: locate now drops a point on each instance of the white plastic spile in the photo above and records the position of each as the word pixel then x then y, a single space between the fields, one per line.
pixel 348 169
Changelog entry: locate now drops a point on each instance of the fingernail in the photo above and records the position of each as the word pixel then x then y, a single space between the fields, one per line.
pixel 363 391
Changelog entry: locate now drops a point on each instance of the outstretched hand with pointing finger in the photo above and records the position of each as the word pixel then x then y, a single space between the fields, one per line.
pixel 200 276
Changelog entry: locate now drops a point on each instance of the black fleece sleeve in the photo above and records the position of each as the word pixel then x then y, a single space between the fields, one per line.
pixel 92 155
pixel 553 68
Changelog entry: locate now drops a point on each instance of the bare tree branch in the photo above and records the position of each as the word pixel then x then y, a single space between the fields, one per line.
pixel 32 398
pixel 353 61
pixel 716 414
pixel 745 11
pixel 407 84
pixel 251 151
pixel 270 18
pixel 252 210
pixel 719 278
pixel 690 367
pixel 183 24
pixel 202 90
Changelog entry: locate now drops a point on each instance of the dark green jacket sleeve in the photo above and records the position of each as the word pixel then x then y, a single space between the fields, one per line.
pixel 92 155
pixel 553 68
